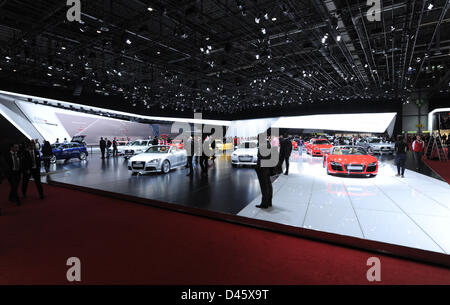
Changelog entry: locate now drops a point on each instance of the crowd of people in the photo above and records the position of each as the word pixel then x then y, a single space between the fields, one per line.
pixel 20 163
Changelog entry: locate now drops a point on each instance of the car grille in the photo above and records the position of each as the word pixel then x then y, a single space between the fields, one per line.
pixel 138 165
pixel 324 150
pixel 352 170
pixel 336 167
pixel 372 168
pixel 385 148
pixel 245 158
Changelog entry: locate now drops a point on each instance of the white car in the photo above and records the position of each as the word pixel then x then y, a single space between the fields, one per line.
pixel 134 148
pixel 158 158
pixel 245 154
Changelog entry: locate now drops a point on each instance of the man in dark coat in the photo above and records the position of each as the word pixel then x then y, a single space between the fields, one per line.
pixel 31 167
pixel 13 167
pixel 155 140
pixel 190 156
pixel 102 147
pixel 204 158
pixel 114 143
pixel 264 172
pixel 285 152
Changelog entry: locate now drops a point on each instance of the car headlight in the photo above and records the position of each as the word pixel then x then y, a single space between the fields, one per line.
pixel 373 164
pixel 154 161
pixel 335 163
pixel 234 156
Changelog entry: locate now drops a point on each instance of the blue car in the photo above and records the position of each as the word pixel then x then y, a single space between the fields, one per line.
pixel 75 149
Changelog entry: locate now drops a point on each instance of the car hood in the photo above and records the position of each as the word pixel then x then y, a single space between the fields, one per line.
pixel 246 151
pixel 322 146
pixel 363 159
pixel 382 144
pixel 148 157
pixel 134 147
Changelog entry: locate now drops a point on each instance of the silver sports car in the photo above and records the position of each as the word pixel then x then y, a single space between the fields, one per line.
pixel 158 158
pixel 378 146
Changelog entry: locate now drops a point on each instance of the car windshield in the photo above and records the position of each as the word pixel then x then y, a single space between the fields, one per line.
pixel 349 151
pixel 319 142
pixel 139 143
pixel 375 141
pixel 248 145
pixel 158 150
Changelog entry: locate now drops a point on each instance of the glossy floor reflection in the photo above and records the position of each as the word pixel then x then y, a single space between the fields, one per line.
pixel 413 211
pixel 226 189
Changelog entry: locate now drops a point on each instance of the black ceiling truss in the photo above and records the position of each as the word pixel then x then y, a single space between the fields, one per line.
pixel 228 56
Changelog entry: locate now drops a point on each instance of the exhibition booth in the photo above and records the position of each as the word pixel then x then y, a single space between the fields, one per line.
pixel 403 216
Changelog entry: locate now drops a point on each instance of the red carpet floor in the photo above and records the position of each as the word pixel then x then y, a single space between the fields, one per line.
pixel 124 243
pixel 442 168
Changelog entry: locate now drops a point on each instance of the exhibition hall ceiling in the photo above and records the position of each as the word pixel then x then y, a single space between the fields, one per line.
pixel 229 56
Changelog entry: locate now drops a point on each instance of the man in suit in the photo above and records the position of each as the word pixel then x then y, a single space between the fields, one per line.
pixel 13 171
pixel 155 140
pixel 114 143
pixel 102 147
pixel 264 173
pixel 108 148
pixel 31 167
pixel 204 158
pixel 285 152
pixel 190 156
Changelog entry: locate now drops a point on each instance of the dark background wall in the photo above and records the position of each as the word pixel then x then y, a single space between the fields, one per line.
pixel 9 134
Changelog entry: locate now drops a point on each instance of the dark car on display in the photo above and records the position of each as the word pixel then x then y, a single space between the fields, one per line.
pixel 66 151
pixel 350 160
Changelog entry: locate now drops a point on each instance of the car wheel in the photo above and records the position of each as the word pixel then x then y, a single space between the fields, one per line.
pixel 165 167
pixel 234 165
pixel 53 160
pixel 82 156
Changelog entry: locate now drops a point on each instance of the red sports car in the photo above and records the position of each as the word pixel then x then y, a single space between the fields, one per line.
pixel 350 160
pixel 317 147
pixel 177 143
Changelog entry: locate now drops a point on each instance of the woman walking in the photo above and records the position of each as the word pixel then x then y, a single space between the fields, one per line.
pixel 47 154
pixel 400 158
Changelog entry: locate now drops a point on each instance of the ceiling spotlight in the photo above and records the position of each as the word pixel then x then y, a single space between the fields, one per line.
pixel 338 38
pixel 150 9
pixel 266 16
pixel 202 50
pixel 274 19
pixel 209 47
pixel 263 30
pixel 257 56
pixel 128 41
pixel 430 6
pixel 257 19
pixel 99 32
